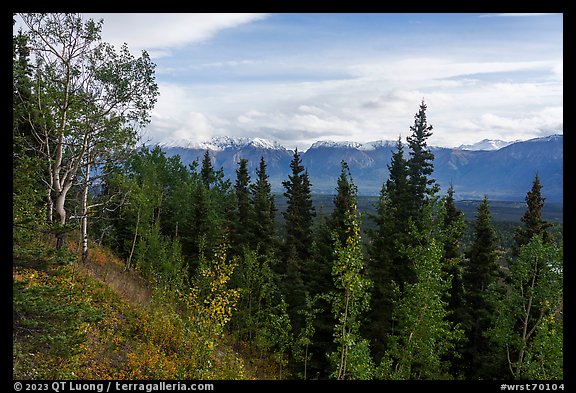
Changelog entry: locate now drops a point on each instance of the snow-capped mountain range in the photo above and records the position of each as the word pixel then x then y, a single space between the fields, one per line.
pixel 487 144
pixel 224 142
pixel 501 170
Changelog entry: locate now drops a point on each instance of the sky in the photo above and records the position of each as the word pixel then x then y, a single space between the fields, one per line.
pixel 303 77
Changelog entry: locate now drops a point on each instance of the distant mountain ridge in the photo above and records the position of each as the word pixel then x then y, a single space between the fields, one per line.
pixel 487 144
pixel 484 168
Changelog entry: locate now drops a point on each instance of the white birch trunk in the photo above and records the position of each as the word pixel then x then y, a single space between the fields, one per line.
pixel 84 216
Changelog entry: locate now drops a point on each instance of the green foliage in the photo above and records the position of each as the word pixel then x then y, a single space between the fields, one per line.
pixel 276 335
pixel 531 341
pixel 532 218
pixel 51 317
pixel 263 227
pixel 387 265
pixel 28 193
pixel 207 173
pixel 297 247
pixel 159 259
pixel 241 235
pixel 258 296
pixel 301 348
pixel 318 275
pixel 450 235
pixel 299 211
pixel 420 165
pixel 350 300
pixel 481 270
pixel 423 335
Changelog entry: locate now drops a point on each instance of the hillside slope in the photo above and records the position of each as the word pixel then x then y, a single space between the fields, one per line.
pixel 98 322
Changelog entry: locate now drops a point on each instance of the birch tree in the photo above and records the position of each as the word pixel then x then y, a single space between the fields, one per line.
pixel 349 301
pixel 528 324
pixel 91 100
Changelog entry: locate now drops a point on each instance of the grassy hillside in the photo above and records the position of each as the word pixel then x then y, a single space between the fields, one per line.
pixel 99 322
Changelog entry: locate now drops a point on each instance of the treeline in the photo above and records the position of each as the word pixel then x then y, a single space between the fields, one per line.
pixel 407 301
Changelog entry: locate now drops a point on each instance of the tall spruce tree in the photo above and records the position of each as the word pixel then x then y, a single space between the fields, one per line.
pixel 299 212
pixel 207 171
pixel 320 272
pixel 343 202
pixel 387 267
pixel 320 280
pixel 453 226
pixel 420 164
pixel 28 168
pixel 451 233
pixel 480 271
pixel 262 225
pixel 240 232
pixel 534 224
pixel 297 248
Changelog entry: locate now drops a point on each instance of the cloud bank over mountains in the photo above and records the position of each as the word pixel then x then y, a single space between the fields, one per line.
pixel 300 78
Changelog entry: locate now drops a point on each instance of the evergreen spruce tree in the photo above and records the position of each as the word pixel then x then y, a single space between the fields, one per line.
pixel 343 202
pixel 453 226
pixel 420 164
pixel 532 218
pixel 299 212
pixel 243 211
pixel 451 235
pixel 320 280
pixel 207 171
pixel 337 222
pixel 451 232
pixel 262 224
pixel 387 267
pixel 480 271
pixel 297 249
pixel 29 192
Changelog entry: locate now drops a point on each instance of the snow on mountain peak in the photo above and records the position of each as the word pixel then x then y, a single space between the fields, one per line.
pixel 220 143
pixel 548 138
pixel 377 145
pixel 486 144
pixel 265 144
pixel 333 144
pixel 353 145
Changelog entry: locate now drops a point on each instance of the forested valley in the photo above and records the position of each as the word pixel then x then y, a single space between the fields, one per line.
pixel 128 264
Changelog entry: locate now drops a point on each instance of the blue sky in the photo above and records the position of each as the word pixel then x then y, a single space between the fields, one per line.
pixel 300 78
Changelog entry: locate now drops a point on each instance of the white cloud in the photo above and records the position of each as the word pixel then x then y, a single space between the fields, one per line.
pixel 547 119
pixel 159 33
pixel 177 116
pixel 469 96
pixel 429 70
pixel 366 109
pixel 485 88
